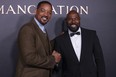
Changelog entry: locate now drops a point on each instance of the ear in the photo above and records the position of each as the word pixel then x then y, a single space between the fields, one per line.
pixel 35 11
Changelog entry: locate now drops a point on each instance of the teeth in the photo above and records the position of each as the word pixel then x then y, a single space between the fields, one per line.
pixel 44 18
pixel 73 25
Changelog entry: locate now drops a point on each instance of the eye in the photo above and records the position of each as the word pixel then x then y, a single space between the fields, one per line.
pixel 42 10
pixel 69 19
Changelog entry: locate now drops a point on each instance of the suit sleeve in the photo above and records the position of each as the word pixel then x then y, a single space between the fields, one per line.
pixel 58 68
pixel 99 59
pixel 29 54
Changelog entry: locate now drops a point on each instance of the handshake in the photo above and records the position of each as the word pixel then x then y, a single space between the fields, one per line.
pixel 57 56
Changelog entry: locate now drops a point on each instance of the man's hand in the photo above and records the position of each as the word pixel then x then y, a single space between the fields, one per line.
pixel 57 56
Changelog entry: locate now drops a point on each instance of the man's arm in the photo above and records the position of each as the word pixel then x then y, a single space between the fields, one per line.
pixel 99 59
pixel 29 54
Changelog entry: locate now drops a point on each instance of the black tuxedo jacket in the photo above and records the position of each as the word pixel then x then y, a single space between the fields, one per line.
pixel 91 63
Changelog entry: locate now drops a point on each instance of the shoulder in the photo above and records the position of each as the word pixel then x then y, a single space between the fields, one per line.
pixel 62 36
pixel 27 26
pixel 88 31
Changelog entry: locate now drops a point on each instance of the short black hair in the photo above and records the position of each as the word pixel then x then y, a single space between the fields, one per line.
pixel 73 11
pixel 43 2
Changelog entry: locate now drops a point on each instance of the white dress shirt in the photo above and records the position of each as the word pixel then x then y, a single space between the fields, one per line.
pixel 76 43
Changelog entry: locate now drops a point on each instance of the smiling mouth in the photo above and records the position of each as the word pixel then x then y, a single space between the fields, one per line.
pixel 73 26
pixel 44 18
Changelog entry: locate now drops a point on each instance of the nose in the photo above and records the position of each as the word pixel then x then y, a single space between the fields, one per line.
pixel 45 13
pixel 73 20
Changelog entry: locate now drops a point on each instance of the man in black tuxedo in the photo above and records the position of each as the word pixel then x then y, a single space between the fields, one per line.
pixel 80 48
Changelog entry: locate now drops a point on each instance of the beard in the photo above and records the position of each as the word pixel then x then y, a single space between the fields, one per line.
pixel 73 28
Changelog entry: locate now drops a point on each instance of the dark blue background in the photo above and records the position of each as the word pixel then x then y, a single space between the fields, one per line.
pixel 101 17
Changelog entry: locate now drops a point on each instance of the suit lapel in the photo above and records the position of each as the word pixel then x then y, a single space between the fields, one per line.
pixel 41 36
pixel 70 49
pixel 85 38
pixel 68 45
pixel 49 44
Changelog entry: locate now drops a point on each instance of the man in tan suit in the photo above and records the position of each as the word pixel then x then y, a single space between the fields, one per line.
pixel 36 57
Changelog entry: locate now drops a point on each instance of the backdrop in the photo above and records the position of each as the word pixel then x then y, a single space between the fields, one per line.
pixel 99 15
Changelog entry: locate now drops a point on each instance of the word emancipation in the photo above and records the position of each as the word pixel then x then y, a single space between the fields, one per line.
pixel 57 10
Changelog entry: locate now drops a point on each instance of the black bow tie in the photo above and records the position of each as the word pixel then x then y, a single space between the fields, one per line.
pixel 72 34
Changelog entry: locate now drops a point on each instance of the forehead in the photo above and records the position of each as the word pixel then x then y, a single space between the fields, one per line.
pixel 45 5
pixel 73 14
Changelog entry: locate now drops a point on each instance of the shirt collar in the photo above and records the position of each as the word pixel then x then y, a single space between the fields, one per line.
pixel 40 25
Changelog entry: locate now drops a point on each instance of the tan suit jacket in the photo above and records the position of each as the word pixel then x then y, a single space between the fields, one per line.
pixel 35 58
